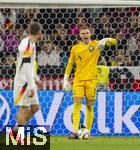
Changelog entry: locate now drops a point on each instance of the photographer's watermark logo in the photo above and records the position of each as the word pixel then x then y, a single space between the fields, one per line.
pixel 28 135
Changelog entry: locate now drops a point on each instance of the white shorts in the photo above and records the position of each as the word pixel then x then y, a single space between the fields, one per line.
pixel 21 96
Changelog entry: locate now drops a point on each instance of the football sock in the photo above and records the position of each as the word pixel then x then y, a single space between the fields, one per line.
pixel 89 117
pixel 76 115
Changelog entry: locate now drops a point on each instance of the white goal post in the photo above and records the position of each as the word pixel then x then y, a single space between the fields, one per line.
pixel 68 3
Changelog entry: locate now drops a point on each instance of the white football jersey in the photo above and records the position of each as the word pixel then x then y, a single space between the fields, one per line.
pixel 25 64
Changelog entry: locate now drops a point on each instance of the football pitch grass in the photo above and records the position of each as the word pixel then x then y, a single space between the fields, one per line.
pixel 97 143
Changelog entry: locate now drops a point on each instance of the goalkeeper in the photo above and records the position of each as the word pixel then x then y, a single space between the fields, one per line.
pixel 85 55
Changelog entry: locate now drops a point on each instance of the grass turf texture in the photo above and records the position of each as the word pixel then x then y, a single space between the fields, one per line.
pixel 97 143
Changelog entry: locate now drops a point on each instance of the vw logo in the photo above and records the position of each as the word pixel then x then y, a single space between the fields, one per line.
pixel 4 108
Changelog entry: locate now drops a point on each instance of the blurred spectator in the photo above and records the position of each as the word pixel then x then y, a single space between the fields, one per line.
pixel 1 44
pixel 9 18
pixel 127 61
pixel 10 40
pixel 135 56
pixel 9 60
pixel 81 20
pixel 120 52
pixel 113 61
pixel 107 29
pixel 62 34
pixel 102 61
pixel 13 16
pixel 55 59
pixel 1 62
pixel 22 33
pixel 61 27
pixel 1 20
pixel 50 55
pixel 120 60
pixel 120 36
pixel 62 40
pixel 105 19
pixel 132 44
pixel 43 58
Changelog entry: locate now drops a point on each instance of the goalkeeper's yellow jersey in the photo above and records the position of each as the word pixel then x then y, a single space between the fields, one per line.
pixel 85 57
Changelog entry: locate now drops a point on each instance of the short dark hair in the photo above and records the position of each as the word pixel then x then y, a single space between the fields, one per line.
pixel 84 27
pixel 34 28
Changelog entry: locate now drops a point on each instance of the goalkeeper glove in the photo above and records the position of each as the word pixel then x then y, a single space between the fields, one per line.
pixel 66 84
pixel 108 42
pixel 111 42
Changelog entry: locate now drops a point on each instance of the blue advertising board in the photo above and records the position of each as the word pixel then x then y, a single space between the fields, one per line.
pixel 115 113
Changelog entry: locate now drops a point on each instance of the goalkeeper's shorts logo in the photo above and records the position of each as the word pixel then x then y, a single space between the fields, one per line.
pixel 91 48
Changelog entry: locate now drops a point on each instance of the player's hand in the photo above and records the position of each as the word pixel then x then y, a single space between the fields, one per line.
pixel 108 42
pixel 39 84
pixel 111 42
pixel 31 93
pixel 66 84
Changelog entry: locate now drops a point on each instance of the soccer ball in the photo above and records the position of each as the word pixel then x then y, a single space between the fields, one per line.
pixel 83 133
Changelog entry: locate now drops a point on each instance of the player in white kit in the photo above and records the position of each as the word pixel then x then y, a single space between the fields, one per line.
pixel 25 91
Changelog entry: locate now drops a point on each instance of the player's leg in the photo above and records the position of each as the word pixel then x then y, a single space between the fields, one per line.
pixel 34 106
pixel 76 113
pixel 21 121
pixel 89 113
pixel 90 98
pixel 33 109
pixel 22 115
pixel 78 94
pixel 76 117
pixel 20 98
pixel 28 106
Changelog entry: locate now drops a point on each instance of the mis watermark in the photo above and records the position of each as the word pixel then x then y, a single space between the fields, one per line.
pixel 26 136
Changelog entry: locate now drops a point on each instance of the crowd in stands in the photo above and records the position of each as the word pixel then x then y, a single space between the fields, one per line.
pixel 60 30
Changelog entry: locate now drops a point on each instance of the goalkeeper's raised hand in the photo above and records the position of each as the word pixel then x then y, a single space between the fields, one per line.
pixel 66 83
pixel 111 42
pixel 107 42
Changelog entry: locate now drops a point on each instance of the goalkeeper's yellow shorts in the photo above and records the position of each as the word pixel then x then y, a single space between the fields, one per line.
pixel 85 88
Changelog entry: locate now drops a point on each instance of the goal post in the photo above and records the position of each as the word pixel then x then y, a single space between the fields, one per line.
pixel 70 3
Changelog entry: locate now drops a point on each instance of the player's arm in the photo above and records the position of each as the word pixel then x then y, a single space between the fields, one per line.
pixel 106 41
pixel 36 78
pixel 37 81
pixel 66 84
pixel 35 72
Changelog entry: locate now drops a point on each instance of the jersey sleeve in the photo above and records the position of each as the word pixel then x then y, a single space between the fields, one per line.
pixel 72 57
pixel 70 62
pixel 22 47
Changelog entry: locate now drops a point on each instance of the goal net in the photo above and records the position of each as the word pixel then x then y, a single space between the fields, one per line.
pixel 116 110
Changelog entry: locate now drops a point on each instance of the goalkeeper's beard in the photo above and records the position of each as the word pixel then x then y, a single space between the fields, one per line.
pixel 86 40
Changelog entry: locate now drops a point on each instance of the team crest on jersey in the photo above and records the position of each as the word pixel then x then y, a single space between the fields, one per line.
pixel 91 48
